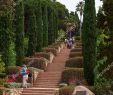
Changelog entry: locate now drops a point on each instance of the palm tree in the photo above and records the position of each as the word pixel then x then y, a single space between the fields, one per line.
pixel 80 9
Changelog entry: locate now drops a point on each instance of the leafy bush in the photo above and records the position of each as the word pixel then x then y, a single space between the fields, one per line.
pixel 75 54
pixel 76 62
pixel 68 73
pixel 40 63
pixel 76 50
pixel 52 50
pixel 68 90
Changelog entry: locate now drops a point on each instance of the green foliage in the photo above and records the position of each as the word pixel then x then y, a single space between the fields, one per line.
pixel 89 40
pixel 12 54
pixel 108 9
pixel 19 25
pixel 102 86
pixel 50 27
pixel 6 29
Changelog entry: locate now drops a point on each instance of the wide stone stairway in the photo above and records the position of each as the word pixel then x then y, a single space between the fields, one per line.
pixel 47 82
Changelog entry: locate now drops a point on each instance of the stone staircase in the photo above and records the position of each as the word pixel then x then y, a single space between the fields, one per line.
pixel 47 82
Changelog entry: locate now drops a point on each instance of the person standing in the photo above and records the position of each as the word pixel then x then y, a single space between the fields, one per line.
pixel 24 73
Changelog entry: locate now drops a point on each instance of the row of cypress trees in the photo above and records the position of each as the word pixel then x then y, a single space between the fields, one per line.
pixel 36 19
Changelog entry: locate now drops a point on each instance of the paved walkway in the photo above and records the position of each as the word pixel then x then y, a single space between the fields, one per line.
pixel 47 82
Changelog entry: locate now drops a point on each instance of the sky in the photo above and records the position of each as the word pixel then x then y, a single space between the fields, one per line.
pixel 71 4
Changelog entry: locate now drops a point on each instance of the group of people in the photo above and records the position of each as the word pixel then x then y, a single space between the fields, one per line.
pixel 69 39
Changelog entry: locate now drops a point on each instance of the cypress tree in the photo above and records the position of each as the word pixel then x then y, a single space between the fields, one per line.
pixel 31 28
pixel 89 40
pixel 50 26
pixel 19 33
pixel 38 12
pixel 45 24
pixel 6 30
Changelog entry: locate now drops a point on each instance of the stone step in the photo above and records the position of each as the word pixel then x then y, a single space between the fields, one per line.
pixel 47 86
pixel 37 94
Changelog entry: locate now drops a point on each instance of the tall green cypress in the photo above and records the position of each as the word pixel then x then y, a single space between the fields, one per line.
pixel 6 30
pixel 31 27
pixel 50 26
pixel 45 23
pixel 56 33
pixel 19 23
pixel 38 12
pixel 89 40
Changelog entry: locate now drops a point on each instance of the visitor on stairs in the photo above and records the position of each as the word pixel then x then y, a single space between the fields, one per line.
pixel 24 73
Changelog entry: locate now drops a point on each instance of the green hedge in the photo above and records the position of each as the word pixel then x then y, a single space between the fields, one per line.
pixel 72 72
pixel 77 38
pixel 12 70
pixel 43 54
pixel 52 50
pixel 68 90
pixel 75 54
pixel 39 63
pixel 76 50
pixel 2 75
pixel 76 62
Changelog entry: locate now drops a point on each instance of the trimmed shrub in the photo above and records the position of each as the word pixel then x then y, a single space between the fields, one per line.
pixel 76 50
pixel 34 69
pixel 75 54
pixel 40 63
pixel 49 56
pixel 76 62
pixel 76 73
pixel 52 50
pixel 57 47
pixel 68 90
pixel 77 38
pixel 78 44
